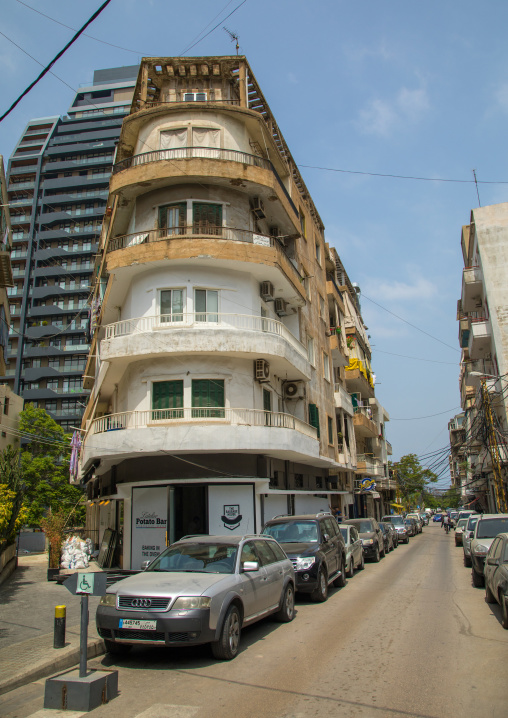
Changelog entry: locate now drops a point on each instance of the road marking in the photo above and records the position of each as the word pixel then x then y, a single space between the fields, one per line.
pixel 167 710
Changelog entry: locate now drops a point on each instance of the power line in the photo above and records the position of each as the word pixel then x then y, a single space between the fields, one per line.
pixel 406 177
pixel 55 59
pixel 415 418
pixel 216 26
pixel 403 356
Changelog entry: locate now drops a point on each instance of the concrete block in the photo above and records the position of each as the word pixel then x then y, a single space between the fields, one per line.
pixel 68 691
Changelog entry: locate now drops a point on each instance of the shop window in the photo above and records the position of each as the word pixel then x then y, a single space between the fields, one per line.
pixel 208 398
pixel 167 400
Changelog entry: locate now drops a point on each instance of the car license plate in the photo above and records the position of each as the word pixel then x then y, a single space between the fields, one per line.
pixel 138 625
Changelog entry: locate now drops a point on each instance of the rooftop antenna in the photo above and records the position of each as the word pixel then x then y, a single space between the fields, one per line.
pixel 476 183
pixel 233 37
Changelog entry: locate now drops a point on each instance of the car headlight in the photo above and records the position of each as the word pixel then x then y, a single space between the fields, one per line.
pixel 480 550
pixel 303 564
pixel 186 603
pixel 108 600
pixel 367 542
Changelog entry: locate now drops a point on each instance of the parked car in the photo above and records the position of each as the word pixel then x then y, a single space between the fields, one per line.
pixel 486 529
pixel 467 535
pixel 417 520
pixel 410 525
pixel 371 535
pixel 398 523
pixel 459 529
pixel 465 514
pixel 387 535
pixel 453 516
pixel 395 535
pixel 496 575
pixel 316 548
pixel 354 549
pixel 199 590
pixel 437 518
pixel 425 518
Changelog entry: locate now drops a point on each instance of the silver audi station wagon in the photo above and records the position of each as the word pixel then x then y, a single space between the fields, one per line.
pixel 201 589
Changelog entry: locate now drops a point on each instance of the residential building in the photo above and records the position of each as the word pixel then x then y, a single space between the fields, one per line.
pixel 11 406
pixel 57 188
pixel 458 454
pixel 216 370
pixel 483 335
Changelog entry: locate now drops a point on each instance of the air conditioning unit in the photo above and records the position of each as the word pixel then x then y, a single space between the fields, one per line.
pixel 258 208
pixel 266 291
pixel 294 390
pixel 261 370
pixel 274 231
pixel 281 308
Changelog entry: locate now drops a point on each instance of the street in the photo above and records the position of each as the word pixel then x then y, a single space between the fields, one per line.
pixel 406 637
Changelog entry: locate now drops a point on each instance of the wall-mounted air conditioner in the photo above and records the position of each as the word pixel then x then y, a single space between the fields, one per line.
pixel 281 308
pixel 266 291
pixel 258 208
pixel 294 390
pixel 261 370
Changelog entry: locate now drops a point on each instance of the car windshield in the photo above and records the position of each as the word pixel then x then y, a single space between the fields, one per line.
pixel 364 527
pixel 408 522
pixel 383 528
pixel 395 520
pixel 344 533
pixel 472 523
pixel 489 528
pixel 293 531
pixel 461 523
pixel 197 558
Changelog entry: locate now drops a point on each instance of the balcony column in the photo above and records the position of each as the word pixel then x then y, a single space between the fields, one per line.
pixel 243 85
pixel 144 86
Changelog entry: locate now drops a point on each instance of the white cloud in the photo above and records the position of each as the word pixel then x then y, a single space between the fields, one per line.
pixel 383 117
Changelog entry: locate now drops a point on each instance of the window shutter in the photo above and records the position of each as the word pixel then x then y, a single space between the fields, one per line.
pixel 206 217
pixel 168 395
pixel 208 393
pixel 314 418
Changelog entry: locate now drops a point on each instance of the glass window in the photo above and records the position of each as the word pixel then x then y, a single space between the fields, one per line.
pixel 489 528
pixel 266 555
pixel 206 218
pixel 173 218
pixel 167 400
pixel 279 553
pixel 206 305
pixel 172 305
pixel 330 430
pixel 314 418
pixel 331 526
pixel 189 557
pixel 248 553
pixel 208 398
pixel 495 549
pixel 296 531
pixel 326 366
pixel 310 350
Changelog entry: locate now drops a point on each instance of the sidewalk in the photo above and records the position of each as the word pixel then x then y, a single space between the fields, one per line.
pixel 27 609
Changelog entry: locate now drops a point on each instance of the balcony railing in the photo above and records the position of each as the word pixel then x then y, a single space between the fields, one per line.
pixel 238 417
pixel 365 410
pixel 214 153
pixel 205 319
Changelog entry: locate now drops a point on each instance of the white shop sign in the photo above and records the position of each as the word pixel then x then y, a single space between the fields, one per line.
pixel 149 523
pixel 231 510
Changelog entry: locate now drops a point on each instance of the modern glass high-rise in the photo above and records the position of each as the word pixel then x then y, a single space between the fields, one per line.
pixel 58 179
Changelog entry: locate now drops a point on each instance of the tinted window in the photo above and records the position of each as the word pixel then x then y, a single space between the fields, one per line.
pixel 293 531
pixel 472 523
pixel 190 557
pixel 488 528
pixel 343 531
pixel 495 549
pixel 279 553
pixel 249 553
pixel 331 527
pixel 354 534
pixel 266 554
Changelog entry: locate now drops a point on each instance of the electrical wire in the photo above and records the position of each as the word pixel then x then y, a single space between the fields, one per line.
pixel 55 59
pixel 429 416
pixel 216 26
pixel 403 356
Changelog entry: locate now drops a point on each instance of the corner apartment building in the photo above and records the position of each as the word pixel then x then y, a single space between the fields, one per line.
pixel 215 360
pixel 483 335
pixel 57 189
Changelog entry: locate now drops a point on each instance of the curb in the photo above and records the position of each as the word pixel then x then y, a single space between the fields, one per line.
pixel 8 570
pixel 47 667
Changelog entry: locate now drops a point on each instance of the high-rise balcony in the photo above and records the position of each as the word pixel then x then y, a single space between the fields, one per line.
pixel 338 350
pixel 367 464
pixel 219 430
pixel 480 338
pixel 359 379
pixel 472 288
pixel 362 422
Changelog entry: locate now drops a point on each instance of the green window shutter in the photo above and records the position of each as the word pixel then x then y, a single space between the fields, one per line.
pixel 330 430
pixel 179 211
pixel 208 398
pixel 314 418
pixel 167 395
pixel 206 217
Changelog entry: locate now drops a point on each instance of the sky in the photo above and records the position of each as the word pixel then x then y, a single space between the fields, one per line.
pixel 359 90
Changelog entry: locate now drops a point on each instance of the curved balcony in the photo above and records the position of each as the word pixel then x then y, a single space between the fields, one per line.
pixel 275 434
pixel 192 164
pixel 237 335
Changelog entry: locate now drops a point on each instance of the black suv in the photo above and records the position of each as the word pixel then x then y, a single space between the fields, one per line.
pixel 316 548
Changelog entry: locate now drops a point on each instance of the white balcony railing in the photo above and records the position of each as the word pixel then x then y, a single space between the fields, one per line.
pixel 246 322
pixel 165 417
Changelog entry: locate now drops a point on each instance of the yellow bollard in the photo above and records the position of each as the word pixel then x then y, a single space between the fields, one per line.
pixel 59 632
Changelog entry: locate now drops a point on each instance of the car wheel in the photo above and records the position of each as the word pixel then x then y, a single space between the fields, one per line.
pixel 228 644
pixel 503 600
pixel 117 649
pixel 351 569
pixel 489 596
pixel 287 610
pixel 377 555
pixel 361 565
pixel 320 594
pixel 478 579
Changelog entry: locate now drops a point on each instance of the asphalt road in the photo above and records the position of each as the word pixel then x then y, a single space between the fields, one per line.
pixel 406 637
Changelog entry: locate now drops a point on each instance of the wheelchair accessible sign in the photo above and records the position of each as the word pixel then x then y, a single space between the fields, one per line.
pixel 87 584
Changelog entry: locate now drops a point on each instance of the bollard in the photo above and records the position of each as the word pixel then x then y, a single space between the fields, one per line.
pixel 59 634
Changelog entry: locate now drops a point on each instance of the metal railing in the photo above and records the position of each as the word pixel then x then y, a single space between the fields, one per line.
pixel 237 417
pixel 216 153
pixel 365 410
pixel 204 319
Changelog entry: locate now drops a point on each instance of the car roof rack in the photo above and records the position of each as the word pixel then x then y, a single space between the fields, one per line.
pixel 324 513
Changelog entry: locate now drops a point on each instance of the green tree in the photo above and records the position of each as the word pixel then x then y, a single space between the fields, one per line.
pixel 12 493
pixel 412 479
pixel 45 468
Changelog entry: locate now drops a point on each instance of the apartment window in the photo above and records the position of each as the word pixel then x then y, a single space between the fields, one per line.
pixel 330 430
pixel 173 140
pixel 73 385
pixel 319 482
pixel 208 398
pixel 194 97
pixel 303 223
pixel 172 305
pixel 6 405
pixel 298 481
pixel 206 305
pixel 206 218
pixel 173 218
pixel 206 142
pixel 326 366
pixel 51 406
pixel 310 350
pixel 54 363
pixel 322 310
pixel 318 253
pixel 314 418
pixel 167 400
pixel 52 384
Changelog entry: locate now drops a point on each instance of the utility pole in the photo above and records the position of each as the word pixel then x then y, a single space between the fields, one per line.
pixel 494 452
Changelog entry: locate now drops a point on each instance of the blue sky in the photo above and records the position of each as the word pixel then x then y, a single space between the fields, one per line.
pixel 392 88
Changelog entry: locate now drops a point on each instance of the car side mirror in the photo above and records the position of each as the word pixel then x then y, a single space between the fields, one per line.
pixel 250 566
pixel 145 564
pixel 326 537
pixel 493 561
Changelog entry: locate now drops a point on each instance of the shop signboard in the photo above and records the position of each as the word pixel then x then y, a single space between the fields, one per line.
pixel 231 509
pixel 149 523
